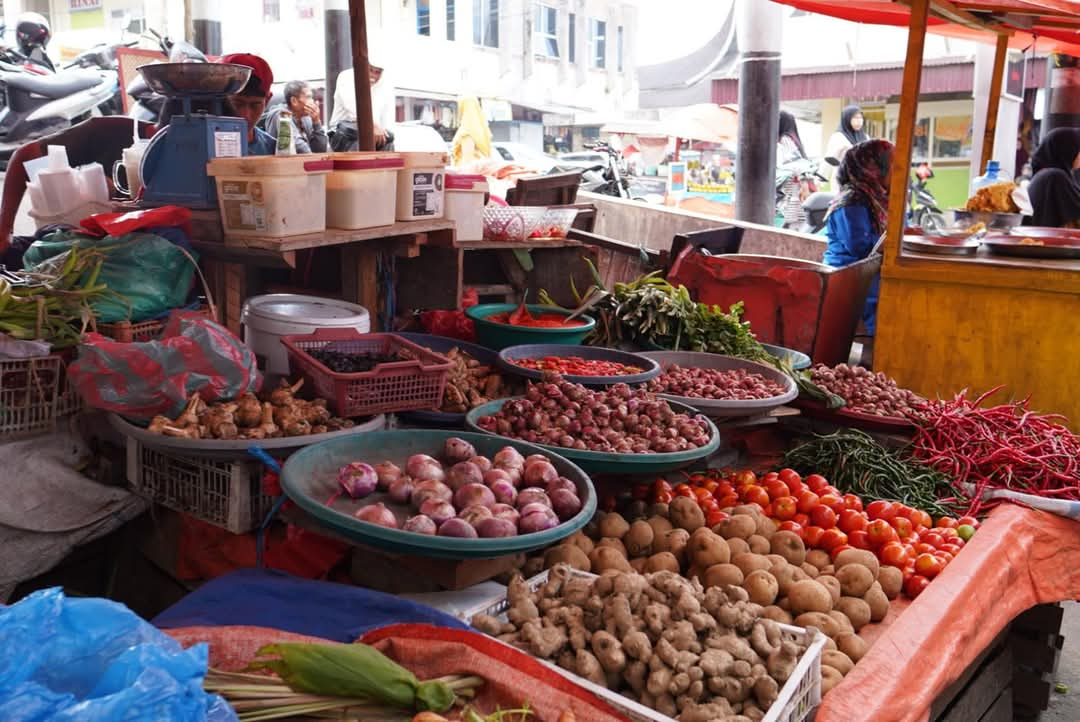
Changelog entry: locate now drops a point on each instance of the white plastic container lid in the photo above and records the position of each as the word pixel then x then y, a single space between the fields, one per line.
pixel 424 160
pixel 376 163
pixel 466 182
pixel 310 310
pixel 270 165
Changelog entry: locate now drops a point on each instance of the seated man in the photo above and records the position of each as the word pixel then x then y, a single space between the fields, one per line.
pixel 307 126
pixel 250 102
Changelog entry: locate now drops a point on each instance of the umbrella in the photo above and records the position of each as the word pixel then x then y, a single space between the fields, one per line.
pixel 704 121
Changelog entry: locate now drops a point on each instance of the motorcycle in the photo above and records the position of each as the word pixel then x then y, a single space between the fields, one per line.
pixel 921 202
pixel 806 176
pixel 606 179
pixel 148 105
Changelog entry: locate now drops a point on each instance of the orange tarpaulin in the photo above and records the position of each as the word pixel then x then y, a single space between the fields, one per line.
pixel 1019 558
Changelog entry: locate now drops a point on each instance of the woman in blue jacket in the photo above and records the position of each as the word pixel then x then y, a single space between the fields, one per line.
pixel 859 214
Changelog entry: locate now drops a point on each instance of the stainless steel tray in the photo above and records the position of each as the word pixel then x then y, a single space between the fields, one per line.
pixel 941 246
pixel 1012 245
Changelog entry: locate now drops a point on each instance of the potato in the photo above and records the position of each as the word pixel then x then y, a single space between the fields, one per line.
pixel 721 575
pixel 843 624
pixel 785 577
pixel 818 557
pixel 828 569
pixel 775 561
pixel 852 645
pixel 604 558
pixel 891 580
pixel 810 570
pixel 740 526
pixel 695 573
pixel 758 544
pixel 858 556
pixel 532 567
pixel 784 603
pixel 664 561
pixel 824 622
pixel 789 545
pixel 638 564
pixel 855 609
pixel 613 525
pixel 736 544
pixel 659 509
pixel 707 549
pixel 613 543
pixel 766 527
pixel 761 586
pixel 581 541
pixel 750 562
pixel 639 539
pixel 854 579
pixel 777 614
pixel 660 526
pixel 675 541
pixel 837 660
pixel 832 584
pixel 748 510
pixel 567 553
pixel 878 602
pixel 684 513
pixel 809 596
pixel 829 678
pixel 798 575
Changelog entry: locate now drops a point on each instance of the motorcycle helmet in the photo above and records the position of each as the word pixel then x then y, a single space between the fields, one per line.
pixel 31 32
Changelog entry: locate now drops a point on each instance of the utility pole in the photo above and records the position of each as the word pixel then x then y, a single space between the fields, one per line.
pixel 206 25
pixel 338 48
pixel 1062 93
pixel 758 31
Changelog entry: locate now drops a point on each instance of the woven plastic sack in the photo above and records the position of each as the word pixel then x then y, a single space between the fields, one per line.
pixel 148 275
pixel 142 380
pixel 93 660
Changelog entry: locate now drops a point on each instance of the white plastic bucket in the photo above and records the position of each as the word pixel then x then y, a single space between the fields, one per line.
pixel 465 199
pixel 421 186
pixel 272 196
pixel 361 191
pixel 267 318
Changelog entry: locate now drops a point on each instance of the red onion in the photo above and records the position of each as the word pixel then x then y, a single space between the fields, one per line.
pixel 535 457
pixel 496 528
pixel 565 503
pixel 439 511
pixel 561 483
pixel 539 473
pixel 508 457
pixel 430 489
pixel 538 521
pixel 475 513
pixel 483 462
pixel 457 528
pixel 504 491
pixel 471 494
pixel 377 514
pixel 357 479
pixel 388 473
pixel 400 492
pixel 462 473
pixel 456 450
pixel 422 466
pixel 532 508
pixel 498 475
pixel 420 525
pixel 505 511
pixel 529 496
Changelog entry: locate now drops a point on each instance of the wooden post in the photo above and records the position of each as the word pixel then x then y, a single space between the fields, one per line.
pixel 1000 52
pixel 905 129
pixel 365 123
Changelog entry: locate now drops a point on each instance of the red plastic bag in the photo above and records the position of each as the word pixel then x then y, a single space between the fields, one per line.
pixel 117 224
pixel 453 324
pixel 142 380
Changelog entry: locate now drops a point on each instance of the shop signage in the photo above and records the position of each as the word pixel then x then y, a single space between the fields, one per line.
pixel 76 6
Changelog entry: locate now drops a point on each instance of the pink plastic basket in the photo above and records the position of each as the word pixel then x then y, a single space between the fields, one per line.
pixel 411 385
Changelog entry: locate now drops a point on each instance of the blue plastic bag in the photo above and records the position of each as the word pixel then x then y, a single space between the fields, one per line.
pixel 93 660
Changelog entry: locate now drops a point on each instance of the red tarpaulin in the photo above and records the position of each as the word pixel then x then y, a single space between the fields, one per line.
pixel 1054 24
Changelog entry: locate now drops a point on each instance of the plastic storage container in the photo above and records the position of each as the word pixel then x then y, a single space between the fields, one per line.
pixel 466 196
pixel 361 191
pixel 272 196
pixel 993 175
pixel 421 186
pixel 267 318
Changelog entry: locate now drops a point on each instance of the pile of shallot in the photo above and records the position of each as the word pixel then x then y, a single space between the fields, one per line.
pixel 865 391
pixel 616 419
pixel 469 496
pixel 715 384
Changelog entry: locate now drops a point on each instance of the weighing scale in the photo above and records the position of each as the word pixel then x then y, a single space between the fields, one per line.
pixel 174 166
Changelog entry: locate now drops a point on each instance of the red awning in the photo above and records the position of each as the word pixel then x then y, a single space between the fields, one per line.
pixel 1050 25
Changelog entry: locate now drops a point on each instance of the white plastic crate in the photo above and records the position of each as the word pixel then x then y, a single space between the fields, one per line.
pixel 798 698
pixel 227 494
pixel 29 389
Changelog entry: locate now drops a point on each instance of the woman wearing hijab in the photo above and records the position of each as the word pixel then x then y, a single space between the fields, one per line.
pixel 849 133
pixel 859 214
pixel 1054 191
pixel 789 149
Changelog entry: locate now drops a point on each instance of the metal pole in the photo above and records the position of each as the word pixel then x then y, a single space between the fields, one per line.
pixel 338 47
pixel 758 26
pixel 206 25
pixel 1062 93
pixel 365 124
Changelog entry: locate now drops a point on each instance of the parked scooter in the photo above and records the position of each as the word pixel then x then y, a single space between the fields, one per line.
pixel 806 175
pixel 921 202
pixel 605 179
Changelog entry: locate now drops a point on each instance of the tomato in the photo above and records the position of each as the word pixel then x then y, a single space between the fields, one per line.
pixel 815 482
pixel 792 479
pixel 770 476
pixel 663 497
pixel 948 533
pixel 904 512
pixel 921 518
pixel 893 554
pixel 642 492
pixel 858 539
pixel 660 484
pixel 800 518
pixel 850 520
pixel 853 502
pixel 712 486
pixel 724 488
pixel 684 490
pixel 755 495
pixel 944 556
pixel 969 520
pixel 776 488
pixel 903 527
pixel 709 504
pixel 914 585
pixel 928 565
pixel 947 522
pixel 933 539
pixel 812 536
pixel 953 549
pixel 924 548
pixel 880 532
pixel 766 509
pixel 832 538
pixel 713 518
pixel 744 477
pixel 792 527
pixel 833 501
pixel 807 501
pixel 880 510
pixel 835 551
pixel 823 517
pixel 785 507
pixel 727 501
pixel 965 531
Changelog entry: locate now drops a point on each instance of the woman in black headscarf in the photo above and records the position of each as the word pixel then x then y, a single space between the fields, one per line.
pixel 850 132
pixel 789 149
pixel 1054 191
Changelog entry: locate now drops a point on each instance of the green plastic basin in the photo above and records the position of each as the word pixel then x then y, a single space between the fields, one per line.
pixel 502 335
